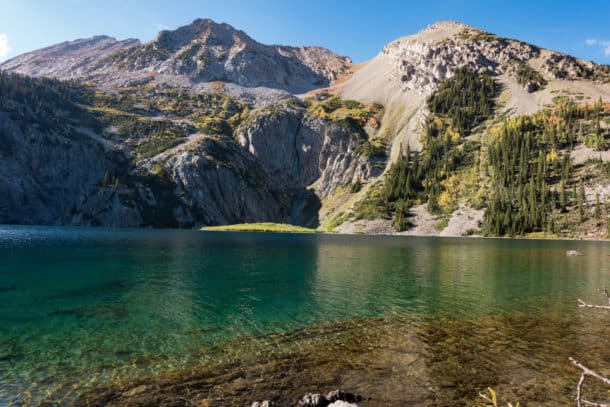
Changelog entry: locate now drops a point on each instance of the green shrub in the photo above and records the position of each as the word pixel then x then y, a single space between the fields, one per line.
pixel 371 149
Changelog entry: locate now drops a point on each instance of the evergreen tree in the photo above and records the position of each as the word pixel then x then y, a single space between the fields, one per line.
pixel 581 202
pixel 598 209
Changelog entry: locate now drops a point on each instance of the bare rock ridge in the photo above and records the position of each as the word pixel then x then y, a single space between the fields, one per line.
pixel 68 60
pixel 200 52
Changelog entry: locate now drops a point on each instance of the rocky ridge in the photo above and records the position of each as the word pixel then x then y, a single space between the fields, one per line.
pixel 203 51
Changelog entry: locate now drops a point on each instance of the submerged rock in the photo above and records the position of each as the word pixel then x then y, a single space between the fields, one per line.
pixel 341 403
pixel 265 403
pixel 335 398
pixel 313 400
pixel 340 395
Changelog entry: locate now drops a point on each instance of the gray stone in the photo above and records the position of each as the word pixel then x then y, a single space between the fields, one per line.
pixel 265 403
pixel 313 400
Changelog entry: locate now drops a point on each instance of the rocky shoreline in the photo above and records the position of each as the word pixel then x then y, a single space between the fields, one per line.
pixel 334 398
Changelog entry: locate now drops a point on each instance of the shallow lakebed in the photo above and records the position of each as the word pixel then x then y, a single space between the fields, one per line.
pixel 134 317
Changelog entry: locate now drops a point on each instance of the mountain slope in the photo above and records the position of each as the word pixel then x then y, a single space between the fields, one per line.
pixel 200 52
pixel 164 157
pixel 202 126
pixel 68 60
pixel 533 84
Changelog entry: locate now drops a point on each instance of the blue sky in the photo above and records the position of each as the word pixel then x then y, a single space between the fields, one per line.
pixel 355 28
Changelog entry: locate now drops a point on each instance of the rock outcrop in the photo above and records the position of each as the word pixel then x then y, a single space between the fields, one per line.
pixel 297 149
pixel 218 183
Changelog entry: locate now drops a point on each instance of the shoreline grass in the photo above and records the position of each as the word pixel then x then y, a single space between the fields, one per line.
pixel 260 227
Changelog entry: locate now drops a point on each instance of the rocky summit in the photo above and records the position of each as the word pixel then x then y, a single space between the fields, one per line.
pixel 450 131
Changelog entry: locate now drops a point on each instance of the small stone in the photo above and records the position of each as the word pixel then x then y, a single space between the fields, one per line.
pixel 340 395
pixel 531 87
pixel 135 391
pixel 341 403
pixel 265 403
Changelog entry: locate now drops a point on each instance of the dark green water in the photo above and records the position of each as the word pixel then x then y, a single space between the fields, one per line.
pixel 83 307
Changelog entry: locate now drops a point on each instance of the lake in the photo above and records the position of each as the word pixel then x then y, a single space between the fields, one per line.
pixel 132 316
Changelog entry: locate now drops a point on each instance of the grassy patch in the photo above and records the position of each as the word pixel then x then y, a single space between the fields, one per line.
pixel 337 221
pixel 541 235
pixel 156 144
pixel 260 227
pixel 527 75
pixel 442 224
pixel 347 114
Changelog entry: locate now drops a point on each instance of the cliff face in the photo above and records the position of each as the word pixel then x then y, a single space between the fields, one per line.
pixel 217 182
pixel 297 149
pixel 42 174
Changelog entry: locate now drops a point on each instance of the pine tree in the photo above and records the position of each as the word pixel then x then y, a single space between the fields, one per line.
pixel 598 209
pixel 562 195
pixel 106 180
pixel 581 202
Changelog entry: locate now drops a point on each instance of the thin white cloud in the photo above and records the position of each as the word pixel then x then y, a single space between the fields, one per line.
pixel 162 27
pixel 4 47
pixel 603 44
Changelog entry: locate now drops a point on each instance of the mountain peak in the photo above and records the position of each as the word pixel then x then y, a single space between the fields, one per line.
pixel 200 30
pixel 433 33
pixel 446 25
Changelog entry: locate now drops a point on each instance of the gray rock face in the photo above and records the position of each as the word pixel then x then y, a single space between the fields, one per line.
pixel 297 149
pixel 425 60
pixel 42 174
pixel 219 183
pixel 202 51
pixel 562 66
pixel 107 206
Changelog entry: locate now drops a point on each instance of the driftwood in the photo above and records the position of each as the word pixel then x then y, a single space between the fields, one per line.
pixel 581 303
pixel 585 371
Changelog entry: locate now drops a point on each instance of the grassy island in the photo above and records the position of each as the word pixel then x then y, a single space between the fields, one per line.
pixel 260 227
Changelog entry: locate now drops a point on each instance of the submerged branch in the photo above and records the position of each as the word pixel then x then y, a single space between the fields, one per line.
pixel 581 303
pixel 587 372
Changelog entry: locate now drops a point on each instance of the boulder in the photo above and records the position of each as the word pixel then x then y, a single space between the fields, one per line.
pixel 340 395
pixel 313 400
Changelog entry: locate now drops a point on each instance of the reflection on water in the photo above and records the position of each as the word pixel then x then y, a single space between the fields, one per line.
pixel 435 320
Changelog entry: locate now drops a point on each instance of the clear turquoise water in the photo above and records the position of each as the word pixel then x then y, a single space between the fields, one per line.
pixel 81 307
